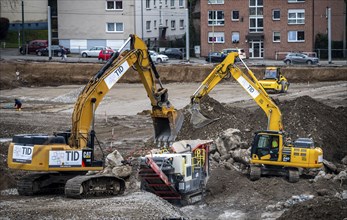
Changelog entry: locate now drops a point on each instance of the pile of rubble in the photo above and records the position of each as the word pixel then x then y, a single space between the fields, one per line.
pixel 302 117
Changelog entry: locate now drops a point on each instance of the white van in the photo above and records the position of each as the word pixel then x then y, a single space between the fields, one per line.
pixel 242 53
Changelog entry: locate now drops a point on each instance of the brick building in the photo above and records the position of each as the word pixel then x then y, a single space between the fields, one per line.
pixel 268 28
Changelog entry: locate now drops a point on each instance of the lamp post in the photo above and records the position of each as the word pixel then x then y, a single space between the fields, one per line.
pixel 23 39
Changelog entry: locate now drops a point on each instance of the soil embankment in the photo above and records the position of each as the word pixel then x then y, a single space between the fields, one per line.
pixel 17 74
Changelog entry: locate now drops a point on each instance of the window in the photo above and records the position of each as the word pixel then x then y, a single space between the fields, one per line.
pixel 211 2
pixel 114 5
pixel 148 4
pixel 296 36
pixel 295 1
pixel 180 3
pixel 172 3
pixel 235 15
pixel 155 24
pixel 235 37
pixel 296 16
pixel 276 36
pixel 166 22
pixel 173 24
pixel 215 18
pixel 256 25
pixel 276 15
pixel 148 25
pixel 155 3
pixel 166 3
pixel 181 24
pixel 114 27
pixel 256 16
pixel 216 37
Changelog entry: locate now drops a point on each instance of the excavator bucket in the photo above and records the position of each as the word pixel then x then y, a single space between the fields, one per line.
pixel 167 128
pixel 197 119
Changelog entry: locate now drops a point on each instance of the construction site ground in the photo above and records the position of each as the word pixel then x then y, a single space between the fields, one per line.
pixel 315 106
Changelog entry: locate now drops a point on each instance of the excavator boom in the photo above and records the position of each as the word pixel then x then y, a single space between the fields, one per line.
pixel 248 82
pixel 59 159
pixel 269 152
pixel 166 120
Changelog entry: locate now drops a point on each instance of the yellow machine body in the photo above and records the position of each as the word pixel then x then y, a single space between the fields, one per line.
pixel 274 80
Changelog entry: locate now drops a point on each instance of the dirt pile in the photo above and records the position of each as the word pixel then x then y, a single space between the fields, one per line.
pixel 302 117
pixel 307 117
pixel 228 117
pixel 316 209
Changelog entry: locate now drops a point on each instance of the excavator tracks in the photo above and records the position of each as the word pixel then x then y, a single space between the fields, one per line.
pixel 93 186
pixel 43 183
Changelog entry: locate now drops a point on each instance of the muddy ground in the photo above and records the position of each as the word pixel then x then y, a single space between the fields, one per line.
pixel 311 108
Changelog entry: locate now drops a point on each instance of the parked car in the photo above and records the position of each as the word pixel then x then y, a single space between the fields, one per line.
pixel 242 53
pixel 300 58
pixel 32 46
pixel 158 58
pixel 105 54
pixel 94 51
pixel 173 53
pixel 56 51
pixel 215 57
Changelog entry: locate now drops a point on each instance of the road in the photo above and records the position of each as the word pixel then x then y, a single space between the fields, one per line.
pixel 13 54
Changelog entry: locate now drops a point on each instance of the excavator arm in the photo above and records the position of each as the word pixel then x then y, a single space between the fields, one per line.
pixel 247 80
pixel 62 159
pixel 167 121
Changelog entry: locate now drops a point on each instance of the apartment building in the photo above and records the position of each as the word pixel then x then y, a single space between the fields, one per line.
pixel 268 28
pixel 160 19
pixel 83 24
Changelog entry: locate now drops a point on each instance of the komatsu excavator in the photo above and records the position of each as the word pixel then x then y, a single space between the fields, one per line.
pixel 270 154
pixel 61 160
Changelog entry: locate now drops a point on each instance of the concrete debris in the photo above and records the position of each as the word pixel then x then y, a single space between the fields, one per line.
pixel 241 155
pixel 122 171
pixel 290 202
pixel 231 150
pixel 330 166
pixel 114 159
pixel 216 156
pixel 344 195
pixel 320 175
pixel 344 160
pixel 228 165
pixel 342 177
pixel 225 157
pixel 220 146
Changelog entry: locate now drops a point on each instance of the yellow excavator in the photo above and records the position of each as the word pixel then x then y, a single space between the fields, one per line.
pixel 60 161
pixel 274 80
pixel 270 152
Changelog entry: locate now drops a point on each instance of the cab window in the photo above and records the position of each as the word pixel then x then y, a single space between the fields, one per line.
pixel 270 74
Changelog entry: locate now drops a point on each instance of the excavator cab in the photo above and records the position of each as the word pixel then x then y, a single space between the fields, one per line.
pixel 266 146
pixel 273 80
pixel 271 155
